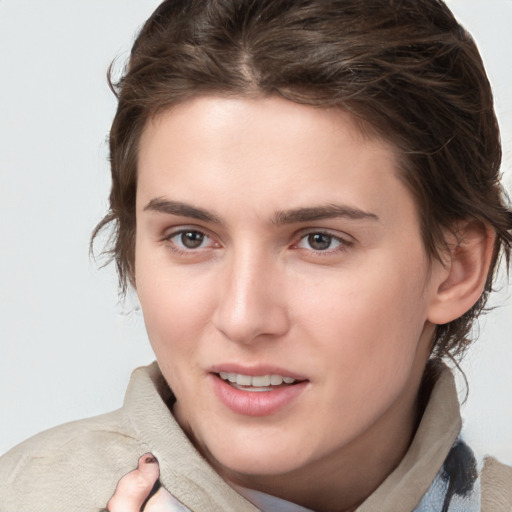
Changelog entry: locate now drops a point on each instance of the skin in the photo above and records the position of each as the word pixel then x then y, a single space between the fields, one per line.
pixel 134 488
pixel 354 318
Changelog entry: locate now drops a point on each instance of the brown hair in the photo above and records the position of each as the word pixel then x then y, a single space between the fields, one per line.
pixel 406 68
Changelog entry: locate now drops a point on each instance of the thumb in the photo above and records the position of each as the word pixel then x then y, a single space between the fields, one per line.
pixel 134 488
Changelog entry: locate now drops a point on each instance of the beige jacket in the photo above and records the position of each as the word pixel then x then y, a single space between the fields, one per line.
pixel 76 467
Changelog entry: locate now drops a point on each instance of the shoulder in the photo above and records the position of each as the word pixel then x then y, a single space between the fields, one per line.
pixel 76 467
pixel 496 486
pixel 82 459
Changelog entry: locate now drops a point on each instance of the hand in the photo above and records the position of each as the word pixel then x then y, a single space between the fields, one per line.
pixel 140 490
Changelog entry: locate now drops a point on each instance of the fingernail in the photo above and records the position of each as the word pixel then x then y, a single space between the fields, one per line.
pixel 150 459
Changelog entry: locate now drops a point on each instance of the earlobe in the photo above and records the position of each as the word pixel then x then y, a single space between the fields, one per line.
pixel 462 278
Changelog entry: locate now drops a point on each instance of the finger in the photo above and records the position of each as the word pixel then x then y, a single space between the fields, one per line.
pixel 153 491
pixel 134 488
pixel 162 501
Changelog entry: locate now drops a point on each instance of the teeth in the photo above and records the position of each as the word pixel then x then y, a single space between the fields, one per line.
pixel 243 380
pixel 276 380
pixel 263 381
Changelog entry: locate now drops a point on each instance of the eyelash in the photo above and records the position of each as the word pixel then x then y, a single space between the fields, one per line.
pixel 344 244
pixel 185 251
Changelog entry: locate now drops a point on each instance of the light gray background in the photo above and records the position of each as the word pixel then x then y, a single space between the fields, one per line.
pixel 67 346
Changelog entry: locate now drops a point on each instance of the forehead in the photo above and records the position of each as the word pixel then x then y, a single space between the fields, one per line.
pixel 203 116
pixel 265 153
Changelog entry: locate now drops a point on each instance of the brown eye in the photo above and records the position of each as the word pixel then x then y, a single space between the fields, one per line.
pixel 191 239
pixel 319 241
pixel 190 242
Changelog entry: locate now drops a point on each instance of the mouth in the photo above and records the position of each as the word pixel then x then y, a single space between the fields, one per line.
pixel 258 391
pixel 257 383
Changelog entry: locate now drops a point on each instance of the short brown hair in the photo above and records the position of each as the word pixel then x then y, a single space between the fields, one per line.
pixel 406 68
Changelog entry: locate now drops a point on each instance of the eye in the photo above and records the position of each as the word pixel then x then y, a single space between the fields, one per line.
pixel 321 242
pixel 189 240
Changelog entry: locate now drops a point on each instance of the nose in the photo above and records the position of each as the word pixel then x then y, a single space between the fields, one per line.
pixel 251 302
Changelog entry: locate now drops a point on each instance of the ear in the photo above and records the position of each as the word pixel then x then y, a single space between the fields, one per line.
pixel 460 279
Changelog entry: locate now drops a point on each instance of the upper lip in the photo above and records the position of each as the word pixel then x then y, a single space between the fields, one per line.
pixel 255 370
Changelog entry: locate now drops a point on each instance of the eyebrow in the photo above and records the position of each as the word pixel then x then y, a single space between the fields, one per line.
pixel 330 211
pixel 292 216
pixel 182 209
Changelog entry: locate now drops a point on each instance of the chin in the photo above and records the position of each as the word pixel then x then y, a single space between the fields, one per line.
pixel 244 455
pixel 241 467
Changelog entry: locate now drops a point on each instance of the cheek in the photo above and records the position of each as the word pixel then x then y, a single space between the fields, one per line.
pixel 366 343
pixel 369 319
pixel 173 317
pixel 174 321
pixel 175 306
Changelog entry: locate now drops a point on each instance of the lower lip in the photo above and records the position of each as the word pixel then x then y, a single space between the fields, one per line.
pixel 255 403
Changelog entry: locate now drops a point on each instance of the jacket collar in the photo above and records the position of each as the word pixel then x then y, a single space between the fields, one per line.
pixel 188 477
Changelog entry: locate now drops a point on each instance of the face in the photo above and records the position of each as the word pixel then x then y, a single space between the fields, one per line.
pixel 276 247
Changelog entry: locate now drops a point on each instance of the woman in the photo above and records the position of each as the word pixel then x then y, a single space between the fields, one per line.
pixel 305 199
